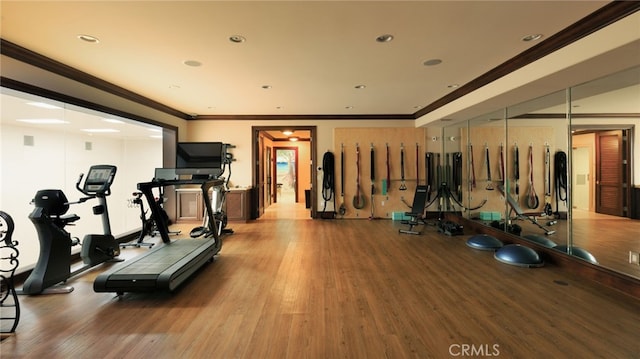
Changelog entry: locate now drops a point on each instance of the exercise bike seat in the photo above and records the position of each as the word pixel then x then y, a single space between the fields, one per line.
pixel 55 205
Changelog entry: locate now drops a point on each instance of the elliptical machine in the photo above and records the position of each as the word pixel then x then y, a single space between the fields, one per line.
pixel 49 218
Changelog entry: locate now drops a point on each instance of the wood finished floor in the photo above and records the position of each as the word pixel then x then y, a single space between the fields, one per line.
pixel 302 288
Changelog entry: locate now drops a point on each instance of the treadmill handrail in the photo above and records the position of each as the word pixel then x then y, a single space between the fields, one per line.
pixel 163 227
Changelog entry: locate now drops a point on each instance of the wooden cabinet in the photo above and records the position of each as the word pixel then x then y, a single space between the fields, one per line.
pixel 189 205
pixel 238 205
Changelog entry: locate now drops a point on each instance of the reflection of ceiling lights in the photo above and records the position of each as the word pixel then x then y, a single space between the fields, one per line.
pixel 99 130
pixel 293 139
pixel 287 132
pixel 112 120
pixel 43 121
pixel 44 105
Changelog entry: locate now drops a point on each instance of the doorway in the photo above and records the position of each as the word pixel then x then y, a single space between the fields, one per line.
pixel 600 167
pixel 285 171
pixel 296 177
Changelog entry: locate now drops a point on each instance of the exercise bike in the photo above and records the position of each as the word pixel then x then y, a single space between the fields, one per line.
pixel 149 225
pixel 50 217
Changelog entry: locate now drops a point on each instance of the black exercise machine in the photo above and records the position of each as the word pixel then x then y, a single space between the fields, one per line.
pixel 417 210
pixel 50 217
pixel 166 266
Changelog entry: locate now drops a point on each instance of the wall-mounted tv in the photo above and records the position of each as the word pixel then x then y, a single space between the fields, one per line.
pixel 200 158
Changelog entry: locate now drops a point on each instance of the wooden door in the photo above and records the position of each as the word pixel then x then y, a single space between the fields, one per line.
pixel 609 173
pixel 268 158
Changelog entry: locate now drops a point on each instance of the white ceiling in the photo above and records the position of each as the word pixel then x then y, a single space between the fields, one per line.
pixel 311 53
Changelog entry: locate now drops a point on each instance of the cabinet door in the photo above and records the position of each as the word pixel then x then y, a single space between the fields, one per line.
pixel 236 205
pixel 189 206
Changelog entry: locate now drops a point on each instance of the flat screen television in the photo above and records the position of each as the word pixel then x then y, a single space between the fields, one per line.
pixel 200 158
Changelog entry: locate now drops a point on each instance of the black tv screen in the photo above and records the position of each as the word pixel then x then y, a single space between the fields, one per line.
pixel 200 155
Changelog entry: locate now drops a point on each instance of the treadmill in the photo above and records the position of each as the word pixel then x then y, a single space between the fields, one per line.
pixel 167 266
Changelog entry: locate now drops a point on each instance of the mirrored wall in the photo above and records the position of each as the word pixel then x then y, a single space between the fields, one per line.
pixel 559 170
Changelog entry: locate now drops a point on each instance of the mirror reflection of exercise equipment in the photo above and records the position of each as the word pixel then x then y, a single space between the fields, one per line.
pixel 50 217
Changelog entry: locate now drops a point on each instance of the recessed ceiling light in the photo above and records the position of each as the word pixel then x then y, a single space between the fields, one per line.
pixel 293 139
pixel 192 63
pixel 287 132
pixel 237 39
pixel 453 86
pixel 348 107
pixel 533 37
pixel 360 87
pixel 432 62
pixel 384 38
pixel 88 38
pixel 43 121
pixel 266 87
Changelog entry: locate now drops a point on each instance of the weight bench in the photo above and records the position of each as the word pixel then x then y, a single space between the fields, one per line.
pixel 417 210
pixel 520 213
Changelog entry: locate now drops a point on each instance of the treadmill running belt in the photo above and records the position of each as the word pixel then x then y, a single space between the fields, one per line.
pixel 162 268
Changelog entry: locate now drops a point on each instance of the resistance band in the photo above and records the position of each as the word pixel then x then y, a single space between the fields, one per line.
pixel 516 171
pixel 560 171
pixel 358 199
pixel 472 182
pixel 387 185
pixel 417 164
pixel 428 159
pixel 532 197
pixel 403 185
pixel 328 179
pixel 343 208
pixel 373 178
pixel 487 162
pixel 502 177
pixel 457 174
pixel 547 181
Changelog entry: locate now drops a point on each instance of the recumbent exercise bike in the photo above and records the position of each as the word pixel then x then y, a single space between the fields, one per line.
pixel 50 217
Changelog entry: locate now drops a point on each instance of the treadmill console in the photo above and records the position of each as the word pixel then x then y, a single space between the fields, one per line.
pixel 99 179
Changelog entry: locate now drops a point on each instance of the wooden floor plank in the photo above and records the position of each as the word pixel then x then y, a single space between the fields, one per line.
pixel 284 288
